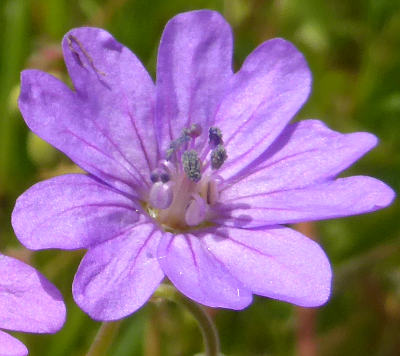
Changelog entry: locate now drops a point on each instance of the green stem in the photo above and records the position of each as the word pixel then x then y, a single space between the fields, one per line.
pixel 104 338
pixel 207 327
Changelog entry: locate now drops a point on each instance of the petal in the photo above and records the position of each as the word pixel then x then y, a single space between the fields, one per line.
pixel 305 153
pixel 194 64
pixel 332 199
pixel 263 96
pixel 199 275
pixel 10 346
pixel 70 212
pixel 117 277
pixel 106 126
pixel 277 262
pixel 28 301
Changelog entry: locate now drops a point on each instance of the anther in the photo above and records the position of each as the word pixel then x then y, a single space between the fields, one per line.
pixel 159 175
pixel 218 157
pixel 195 130
pixel 192 165
pixel 196 211
pixel 214 136
pixel 175 145
pixel 161 195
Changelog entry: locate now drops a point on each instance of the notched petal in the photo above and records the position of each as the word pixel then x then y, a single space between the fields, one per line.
pixel 118 276
pixel 274 262
pixel 199 275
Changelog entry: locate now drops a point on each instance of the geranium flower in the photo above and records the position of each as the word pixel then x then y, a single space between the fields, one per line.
pixel 192 177
pixel 28 303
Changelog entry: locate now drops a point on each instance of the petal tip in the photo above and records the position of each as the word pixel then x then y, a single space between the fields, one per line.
pixel 387 195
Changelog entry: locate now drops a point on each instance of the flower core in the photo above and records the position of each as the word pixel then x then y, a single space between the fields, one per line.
pixel 183 191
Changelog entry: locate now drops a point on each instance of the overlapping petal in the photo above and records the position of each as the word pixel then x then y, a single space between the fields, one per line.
pixel 332 199
pixel 70 212
pixel 28 301
pixel 307 152
pixel 118 276
pixel 10 346
pixel 262 98
pixel 106 126
pixel 275 262
pixel 200 275
pixel 193 67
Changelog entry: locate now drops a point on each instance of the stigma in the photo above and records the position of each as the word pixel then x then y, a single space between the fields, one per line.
pixel 185 184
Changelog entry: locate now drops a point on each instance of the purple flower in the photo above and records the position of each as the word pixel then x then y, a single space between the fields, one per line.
pixel 192 178
pixel 28 303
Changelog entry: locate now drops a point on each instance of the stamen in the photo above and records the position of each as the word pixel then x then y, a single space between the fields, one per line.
pixel 192 165
pixel 164 176
pixel 159 175
pixel 212 192
pixel 196 211
pixel 175 145
pixel 168 167
pixel 218 157
pixel 195 130
pixel 161 195
pixel 214 136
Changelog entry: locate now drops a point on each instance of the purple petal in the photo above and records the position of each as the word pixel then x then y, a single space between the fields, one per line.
pixel 199 275
pixel 28 301
pixel 263 96
pixel 106 126
pixel 277 262
pixel 10 346
pixel 305 153
pixel 70 212
pixel 332 199
pixel 117 277
pixel 194 64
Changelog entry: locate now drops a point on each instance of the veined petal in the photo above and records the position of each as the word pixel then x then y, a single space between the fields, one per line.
pixel 262 98
pixel 10 346
pixel 306 153
pixel 28 301
pixel 106 126
pixel 194 65
pixel 70 212
pixel 199 275
pixel 118 276
pixel 276 262
pixel 331 199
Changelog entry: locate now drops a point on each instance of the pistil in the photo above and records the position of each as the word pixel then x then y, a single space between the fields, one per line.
pixel 181 195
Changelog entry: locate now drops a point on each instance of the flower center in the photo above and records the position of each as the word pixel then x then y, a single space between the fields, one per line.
pixel 183 190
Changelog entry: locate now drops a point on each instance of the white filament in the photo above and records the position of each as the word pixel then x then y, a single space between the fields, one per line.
pixel 196 211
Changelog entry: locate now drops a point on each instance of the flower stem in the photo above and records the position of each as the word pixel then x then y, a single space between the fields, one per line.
pixel 104 338
pixel 207 327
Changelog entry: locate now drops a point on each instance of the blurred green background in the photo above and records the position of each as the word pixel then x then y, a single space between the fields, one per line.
pixel 353 49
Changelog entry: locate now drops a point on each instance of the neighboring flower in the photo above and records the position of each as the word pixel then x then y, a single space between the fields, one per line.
pixel 188 178
pixel 28 303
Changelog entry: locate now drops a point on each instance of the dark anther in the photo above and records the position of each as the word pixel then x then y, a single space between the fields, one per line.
pixel 159 175
pixel 218 157
pixel 154 177
pixel 214 136
pixel 192 165
pixel 195 130
pixel 164 176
